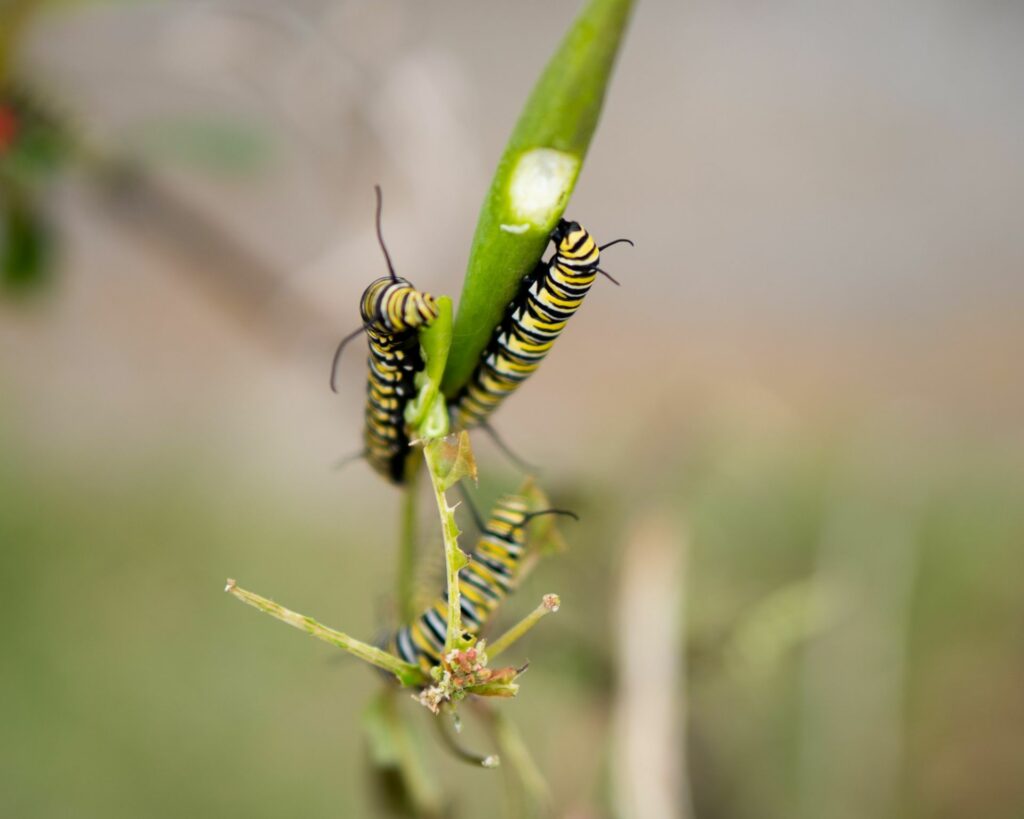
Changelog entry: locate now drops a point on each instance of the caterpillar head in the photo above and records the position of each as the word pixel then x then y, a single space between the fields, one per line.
pixel 575 246
pixel 394 305
pixel 567 235
pixel 577 250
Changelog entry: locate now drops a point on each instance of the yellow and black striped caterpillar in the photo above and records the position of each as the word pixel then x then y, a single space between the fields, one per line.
pixel 547 298
pixel 490 576
pixel 392 312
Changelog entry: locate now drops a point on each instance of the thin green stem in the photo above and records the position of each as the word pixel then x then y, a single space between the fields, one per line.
pixel 446 732
pixel 422 786
pixel 454 559
pixel 435 342
pixel 406 673
pixel 549 604
pixel 407 549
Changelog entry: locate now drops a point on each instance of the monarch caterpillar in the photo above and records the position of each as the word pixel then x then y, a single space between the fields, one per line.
pixel 392 311
pixel 490 576
pixel 547 298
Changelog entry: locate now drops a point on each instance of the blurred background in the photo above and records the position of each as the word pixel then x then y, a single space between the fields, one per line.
pixel 793 434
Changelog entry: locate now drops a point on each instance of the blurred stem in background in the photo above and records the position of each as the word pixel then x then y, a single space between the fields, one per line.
pixel 650 772
pixel 395 748
pixel 406 572
pixel 526 789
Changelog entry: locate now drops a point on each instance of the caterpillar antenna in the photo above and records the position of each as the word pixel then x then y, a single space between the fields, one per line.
pixel 531 515
pixel 608 275
pixel 615 242
pixel 380 234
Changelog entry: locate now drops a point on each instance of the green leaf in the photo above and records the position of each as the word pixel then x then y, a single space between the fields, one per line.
pixel 426 414
pixel 534 178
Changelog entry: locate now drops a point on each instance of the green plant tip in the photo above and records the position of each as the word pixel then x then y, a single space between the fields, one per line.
pixel 534 179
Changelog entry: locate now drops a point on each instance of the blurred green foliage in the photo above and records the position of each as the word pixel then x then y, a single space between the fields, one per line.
pixel 33 148
pixel 128 683
pixel 26 247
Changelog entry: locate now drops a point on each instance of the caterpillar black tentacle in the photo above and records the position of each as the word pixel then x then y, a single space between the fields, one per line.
pixel 606 245
pixel 490 576
pixel 392 312
pixel 547 298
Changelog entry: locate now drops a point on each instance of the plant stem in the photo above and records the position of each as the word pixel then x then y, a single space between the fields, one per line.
pixel 549 604
pixel 427 417
pixel 421 783
pixel 406 673
pixel 407 549
pixel 446 732
pixel 435 341
pixel 454 559
pixel 394 745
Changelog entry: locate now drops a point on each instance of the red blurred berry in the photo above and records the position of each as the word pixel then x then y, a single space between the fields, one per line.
pixel 8 127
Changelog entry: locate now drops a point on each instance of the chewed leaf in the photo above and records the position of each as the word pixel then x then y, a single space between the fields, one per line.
pixel 461 560
pixel 453 459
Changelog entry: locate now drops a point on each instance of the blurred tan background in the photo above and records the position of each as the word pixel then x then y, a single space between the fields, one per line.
pixel 806 397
